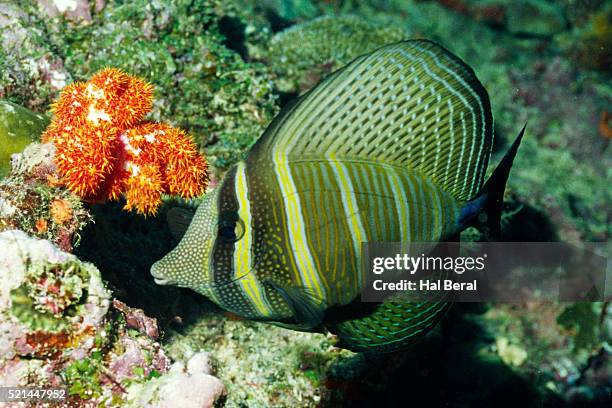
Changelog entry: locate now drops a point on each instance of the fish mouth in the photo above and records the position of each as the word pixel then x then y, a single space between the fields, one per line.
pixel 161 281
pixel 158 277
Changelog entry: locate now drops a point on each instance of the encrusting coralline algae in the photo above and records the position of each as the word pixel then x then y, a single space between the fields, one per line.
pixel 58 329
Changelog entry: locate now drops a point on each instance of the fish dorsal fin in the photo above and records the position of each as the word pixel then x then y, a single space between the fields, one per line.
pixel 178 221
pixel 411 104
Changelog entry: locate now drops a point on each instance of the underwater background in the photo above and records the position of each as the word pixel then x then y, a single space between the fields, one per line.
pixel 78 306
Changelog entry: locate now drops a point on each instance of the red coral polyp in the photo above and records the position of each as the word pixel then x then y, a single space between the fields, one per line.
pixel 185 175
pixel 184 170
pixel 85 156
pixel 72 106
pixel 143 189
pixel 104 150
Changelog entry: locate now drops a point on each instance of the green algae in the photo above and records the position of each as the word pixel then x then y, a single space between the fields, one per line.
pixel 30 69
pixel 572 192
pixel 583 318
pixel 533 17
pixel 302 55
pixel 61 286
pixel 83 377
pixel 18 128
pixel 201 84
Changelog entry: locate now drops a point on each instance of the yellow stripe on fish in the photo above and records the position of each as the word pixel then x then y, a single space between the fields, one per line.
pixel 304 263
pixel 243 259
pixel 351 209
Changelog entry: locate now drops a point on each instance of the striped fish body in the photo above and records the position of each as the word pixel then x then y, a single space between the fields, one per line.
pixel 304 225
pixel 387 149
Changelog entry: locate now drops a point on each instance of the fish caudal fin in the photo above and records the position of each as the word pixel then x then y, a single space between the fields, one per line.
pixel 484 212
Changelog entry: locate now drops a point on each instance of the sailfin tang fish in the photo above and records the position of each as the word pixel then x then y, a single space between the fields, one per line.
pixel 392 147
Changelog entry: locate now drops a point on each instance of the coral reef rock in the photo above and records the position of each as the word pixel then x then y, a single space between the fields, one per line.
pixel 32 199
pixel 534 17
pixel 50 301
pixel 58 329
pixel 30 71
pixel 188 385
pixel 304 54
pixel 77 10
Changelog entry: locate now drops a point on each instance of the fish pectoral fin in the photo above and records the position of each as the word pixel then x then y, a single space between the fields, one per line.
pixel 178 221
pixel 308 313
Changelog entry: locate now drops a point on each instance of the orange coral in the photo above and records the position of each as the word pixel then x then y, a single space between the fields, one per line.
pixel 173 153
pixel 41 225
pixel 104 149
pixel 143 188
pixel 61 211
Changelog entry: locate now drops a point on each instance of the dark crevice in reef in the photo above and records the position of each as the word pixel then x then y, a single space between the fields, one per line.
pixel 124 246
pixel 232 28
pixel 527 224
pixel 277 23
pixel 284 98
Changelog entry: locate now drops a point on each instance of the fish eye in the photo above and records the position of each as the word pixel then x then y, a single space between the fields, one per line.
pixel 230 227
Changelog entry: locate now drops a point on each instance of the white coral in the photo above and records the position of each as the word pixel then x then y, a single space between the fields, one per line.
pixel 17 250
pixel 188 385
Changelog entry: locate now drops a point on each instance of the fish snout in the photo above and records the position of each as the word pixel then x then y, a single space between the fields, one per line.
pixel 158 276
